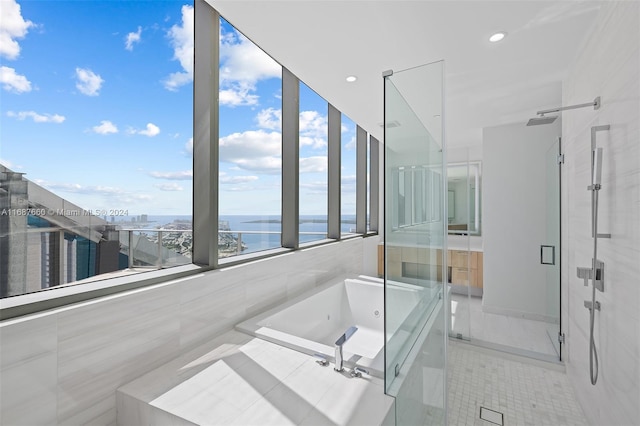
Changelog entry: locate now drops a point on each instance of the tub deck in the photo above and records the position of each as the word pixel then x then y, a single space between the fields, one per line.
pixel 237 379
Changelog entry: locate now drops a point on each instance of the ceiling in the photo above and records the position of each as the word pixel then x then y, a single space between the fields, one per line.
pixel 486 84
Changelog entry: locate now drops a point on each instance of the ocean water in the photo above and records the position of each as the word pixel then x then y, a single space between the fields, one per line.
pixel 260 232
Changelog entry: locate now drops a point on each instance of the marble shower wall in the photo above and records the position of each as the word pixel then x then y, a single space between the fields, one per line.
pixel 608 66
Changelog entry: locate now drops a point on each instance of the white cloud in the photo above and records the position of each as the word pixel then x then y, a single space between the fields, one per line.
pixel 261 165
pixel 151 130
pixel 270 118
pixel 105 127
pixel 132 38
pixel 348 183
pixel 189 146
pixel 172 186
pixel 313 164
pixel 254 150
pixel 114 194
pixel 82 189
pixel 239 96
pixel 351 144
pixel 12 26
pixel 234 180
pixel 243 61
pixel 13 82
pixel 183 175
pixel 181 38
pixel 314 187
pixel 242 65
pixel 89 83
pixel 313 129
pixel 38 118
pixel 348 180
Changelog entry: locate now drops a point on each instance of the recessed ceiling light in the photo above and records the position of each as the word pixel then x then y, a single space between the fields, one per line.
pixel 352 78
pixel 497 37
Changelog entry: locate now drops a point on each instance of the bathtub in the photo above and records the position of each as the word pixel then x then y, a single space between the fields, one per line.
pixel 313 322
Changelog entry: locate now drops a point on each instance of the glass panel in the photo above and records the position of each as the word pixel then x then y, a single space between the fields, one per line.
pixel 466 294
pixel 313 165
pixel 553 240
pixel 415 244
pixel 83 159
pixel 348 172
pixel 250 146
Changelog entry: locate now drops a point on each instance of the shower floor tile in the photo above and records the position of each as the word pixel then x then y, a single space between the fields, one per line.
pixel 526 394
pixel 520 333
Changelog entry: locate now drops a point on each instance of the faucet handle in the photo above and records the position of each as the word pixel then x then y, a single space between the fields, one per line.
pixel 357 372
pixel 321 360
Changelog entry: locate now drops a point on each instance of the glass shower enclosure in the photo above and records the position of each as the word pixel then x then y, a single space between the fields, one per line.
pixel 415 244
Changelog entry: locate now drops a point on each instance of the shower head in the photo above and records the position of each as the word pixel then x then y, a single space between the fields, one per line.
pixel 548 120
pixel 541 120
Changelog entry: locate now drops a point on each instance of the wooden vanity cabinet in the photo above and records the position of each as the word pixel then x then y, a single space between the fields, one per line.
pixel 465 266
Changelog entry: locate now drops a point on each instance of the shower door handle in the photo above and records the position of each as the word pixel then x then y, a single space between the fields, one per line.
pixel 543 260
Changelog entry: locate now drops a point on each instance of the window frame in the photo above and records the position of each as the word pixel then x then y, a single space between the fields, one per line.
pixel 206 176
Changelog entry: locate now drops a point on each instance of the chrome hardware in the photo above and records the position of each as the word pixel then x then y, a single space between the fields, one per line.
pixel 357 372
pixel 589 305
pixel 341 341
pixel 321 360
pixel 587 274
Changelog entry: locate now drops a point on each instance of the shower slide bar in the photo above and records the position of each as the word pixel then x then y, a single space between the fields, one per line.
pixel 596 173
pixel 596 272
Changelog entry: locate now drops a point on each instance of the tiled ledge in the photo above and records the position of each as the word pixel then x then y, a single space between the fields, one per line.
pixel 239 379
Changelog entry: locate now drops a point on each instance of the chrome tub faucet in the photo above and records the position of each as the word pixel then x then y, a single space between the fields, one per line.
pixel 341 341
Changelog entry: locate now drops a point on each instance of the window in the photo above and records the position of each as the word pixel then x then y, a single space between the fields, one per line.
pixel 348 176
pixel 96 141
pixel 250 146
pixel 313 165
pixel 97 165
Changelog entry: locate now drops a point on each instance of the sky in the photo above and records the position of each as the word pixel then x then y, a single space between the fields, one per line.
pixel 96 106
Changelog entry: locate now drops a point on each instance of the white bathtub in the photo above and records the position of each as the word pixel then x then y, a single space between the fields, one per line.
pixel 313 322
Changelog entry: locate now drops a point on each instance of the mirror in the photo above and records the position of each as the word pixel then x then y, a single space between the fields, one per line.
pixel 464 181
pixel 416 196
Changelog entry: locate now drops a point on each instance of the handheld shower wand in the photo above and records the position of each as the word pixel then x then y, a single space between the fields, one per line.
pixel 596 180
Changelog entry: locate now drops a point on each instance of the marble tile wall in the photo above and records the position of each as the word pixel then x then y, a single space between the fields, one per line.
pixel 28 371
pixel 607 66
pixel 64 366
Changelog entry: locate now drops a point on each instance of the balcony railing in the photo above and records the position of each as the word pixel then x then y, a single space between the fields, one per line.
pixel 56 256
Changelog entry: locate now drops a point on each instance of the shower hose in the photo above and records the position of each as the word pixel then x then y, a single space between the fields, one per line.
pixel 593 353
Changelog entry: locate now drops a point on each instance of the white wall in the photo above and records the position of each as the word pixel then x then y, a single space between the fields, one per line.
pixel 513 217
pixel 64 366
pixel 608 66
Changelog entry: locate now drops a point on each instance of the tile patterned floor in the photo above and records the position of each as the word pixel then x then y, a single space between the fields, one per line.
pixel 525 393
pixel 469 319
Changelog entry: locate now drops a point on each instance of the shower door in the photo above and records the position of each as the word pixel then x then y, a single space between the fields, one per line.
pixel 550 251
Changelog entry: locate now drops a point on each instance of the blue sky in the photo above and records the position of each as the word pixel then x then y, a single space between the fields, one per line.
pixel 96 106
